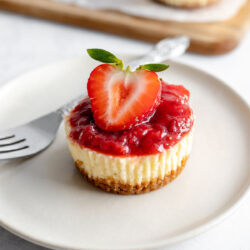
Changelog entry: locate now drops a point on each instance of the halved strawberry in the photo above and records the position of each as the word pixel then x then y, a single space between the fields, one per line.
pixel 120 98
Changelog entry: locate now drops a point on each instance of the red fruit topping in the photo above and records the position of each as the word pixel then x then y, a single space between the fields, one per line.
pixel 171 121
pixel 121 99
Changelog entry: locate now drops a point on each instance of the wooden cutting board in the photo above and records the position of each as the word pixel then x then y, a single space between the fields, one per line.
pixel 206 38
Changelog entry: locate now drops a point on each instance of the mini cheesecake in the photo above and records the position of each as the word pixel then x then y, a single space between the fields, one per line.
pixel 188 3
pixel 139 159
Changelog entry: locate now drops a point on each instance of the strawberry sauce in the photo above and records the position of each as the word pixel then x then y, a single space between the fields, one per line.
pixel 171 121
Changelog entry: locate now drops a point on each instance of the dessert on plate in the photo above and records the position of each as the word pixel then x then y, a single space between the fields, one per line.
pixel 133 132
pixel 189 4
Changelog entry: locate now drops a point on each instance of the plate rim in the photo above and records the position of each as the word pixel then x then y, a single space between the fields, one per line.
pixel 215 220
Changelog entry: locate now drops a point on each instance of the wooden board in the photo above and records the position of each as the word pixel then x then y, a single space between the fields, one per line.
pixel 206 38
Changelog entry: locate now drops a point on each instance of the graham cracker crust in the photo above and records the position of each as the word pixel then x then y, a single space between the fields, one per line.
pixel 114 186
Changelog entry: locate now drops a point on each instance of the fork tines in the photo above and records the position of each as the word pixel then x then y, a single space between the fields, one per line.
pixel 10 143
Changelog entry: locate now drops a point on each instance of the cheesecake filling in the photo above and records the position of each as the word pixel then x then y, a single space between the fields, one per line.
pixel 132 170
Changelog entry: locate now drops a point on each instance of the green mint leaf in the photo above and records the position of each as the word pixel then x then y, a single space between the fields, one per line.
pixel 154 67
pixel 103 56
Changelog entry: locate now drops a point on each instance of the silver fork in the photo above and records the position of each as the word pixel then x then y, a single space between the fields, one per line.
pixel 35 136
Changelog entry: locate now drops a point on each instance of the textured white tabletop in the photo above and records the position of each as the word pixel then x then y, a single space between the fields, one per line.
pixel 27 43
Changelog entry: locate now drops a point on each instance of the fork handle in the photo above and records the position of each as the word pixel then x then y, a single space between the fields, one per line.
pixel 165 49
pixel 64 110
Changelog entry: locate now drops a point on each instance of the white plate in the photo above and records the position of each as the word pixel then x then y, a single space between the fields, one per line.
pixel 45 200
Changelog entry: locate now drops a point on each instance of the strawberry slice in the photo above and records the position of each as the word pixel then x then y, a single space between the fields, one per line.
pixel 120 99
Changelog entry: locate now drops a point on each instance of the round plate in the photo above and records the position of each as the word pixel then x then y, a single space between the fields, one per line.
pixel 45 200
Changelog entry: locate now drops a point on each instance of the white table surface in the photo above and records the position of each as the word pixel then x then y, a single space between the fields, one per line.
pixel 27 43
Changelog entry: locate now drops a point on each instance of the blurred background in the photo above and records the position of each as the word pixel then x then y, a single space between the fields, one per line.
pixel 37 32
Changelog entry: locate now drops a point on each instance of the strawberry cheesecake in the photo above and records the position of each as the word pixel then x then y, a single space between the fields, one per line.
pixel 133 132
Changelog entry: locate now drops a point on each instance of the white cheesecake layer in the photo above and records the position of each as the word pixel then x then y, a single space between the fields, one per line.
pixel 131 170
